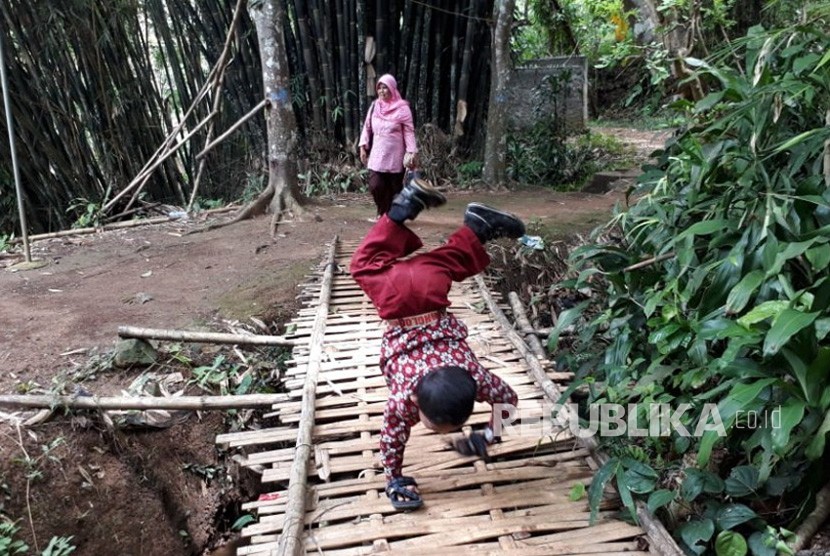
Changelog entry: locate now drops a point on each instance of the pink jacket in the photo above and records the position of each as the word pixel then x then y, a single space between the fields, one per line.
pixel 391 141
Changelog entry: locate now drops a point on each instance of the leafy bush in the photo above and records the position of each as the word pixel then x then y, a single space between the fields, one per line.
pixel 718 292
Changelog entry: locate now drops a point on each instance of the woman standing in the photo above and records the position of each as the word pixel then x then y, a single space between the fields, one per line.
pixel 391 132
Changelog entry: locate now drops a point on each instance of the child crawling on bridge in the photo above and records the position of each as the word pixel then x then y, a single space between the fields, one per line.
pixel 432 374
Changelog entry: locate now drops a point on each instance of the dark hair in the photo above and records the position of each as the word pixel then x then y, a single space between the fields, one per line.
pixel 446 395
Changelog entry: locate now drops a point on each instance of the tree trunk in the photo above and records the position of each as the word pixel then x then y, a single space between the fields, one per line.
pixel 268 17
pixel 464 77
pixel 678 39
pixel 495 146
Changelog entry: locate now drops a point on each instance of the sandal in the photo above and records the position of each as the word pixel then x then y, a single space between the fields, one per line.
pixel 397 487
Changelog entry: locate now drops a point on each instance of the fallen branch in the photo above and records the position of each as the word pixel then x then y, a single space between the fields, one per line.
pixel 810 526
pixel 118 225
pixel 208 337
pixel 143 402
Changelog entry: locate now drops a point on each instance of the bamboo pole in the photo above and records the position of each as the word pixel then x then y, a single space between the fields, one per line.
pixel 208 337
pixel 233 128
pixel 658 536
pixel 294 518
pixel 24 232
pixel 524 324
pixel 219 81
pixel 141 177
pixel 143 402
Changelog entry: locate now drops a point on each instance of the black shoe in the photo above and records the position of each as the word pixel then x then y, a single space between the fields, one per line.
pixel 489 223
pixel 416 196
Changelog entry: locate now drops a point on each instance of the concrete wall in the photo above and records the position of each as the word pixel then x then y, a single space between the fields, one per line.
pixel 526 78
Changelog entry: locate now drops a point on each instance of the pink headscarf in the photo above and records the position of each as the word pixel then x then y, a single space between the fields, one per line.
pixel 396 109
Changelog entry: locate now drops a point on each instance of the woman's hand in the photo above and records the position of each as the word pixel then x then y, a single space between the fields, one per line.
pixel 364 155
pixel 410 160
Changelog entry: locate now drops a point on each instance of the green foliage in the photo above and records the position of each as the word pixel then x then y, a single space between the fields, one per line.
pixel 254 185
pixel 208 204
pixel 733 308
pixel 217 375
pixel 231 378
pixel 8 545
pixel 33 465
pixel 532 40
pixel 86 213
pixel 205 472
pixel 328 180
pixel 242 521
pixel 470 171
pixel 5 242
pixel 59 546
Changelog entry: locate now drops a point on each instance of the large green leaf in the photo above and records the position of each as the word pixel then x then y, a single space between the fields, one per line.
pixel 784 327
pixel 740 294
pixel 742 481
pixel 800 138
pixel 792 412
pixel 763 311
pixel 639 476
pixel 790 251
pixel 815 448
pixel 819 257
pixel 566 318
pixel 739 398
pixel 696 531
pixel 598 483
pixel 730 543
pixel 703 228
pixel 698 481
pixel 659 498
pixel 732 515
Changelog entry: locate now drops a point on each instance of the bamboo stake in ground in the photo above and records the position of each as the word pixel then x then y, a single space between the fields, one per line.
pixel 208 337
pixel 203 403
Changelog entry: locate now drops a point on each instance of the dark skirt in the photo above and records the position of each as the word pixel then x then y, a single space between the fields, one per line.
pixel 384 186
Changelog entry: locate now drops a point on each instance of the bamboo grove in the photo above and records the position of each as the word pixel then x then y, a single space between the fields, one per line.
pixel 100 89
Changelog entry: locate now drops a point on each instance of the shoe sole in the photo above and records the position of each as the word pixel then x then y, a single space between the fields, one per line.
pixel 487 209
pixel 431 197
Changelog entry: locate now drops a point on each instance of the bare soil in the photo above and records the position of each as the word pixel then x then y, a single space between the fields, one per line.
pixel 168 491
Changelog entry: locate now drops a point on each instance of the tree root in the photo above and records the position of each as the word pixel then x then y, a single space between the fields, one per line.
pixel 257 207
pixel 817 517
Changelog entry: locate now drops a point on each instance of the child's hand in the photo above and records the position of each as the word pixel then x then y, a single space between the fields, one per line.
pixel 475 444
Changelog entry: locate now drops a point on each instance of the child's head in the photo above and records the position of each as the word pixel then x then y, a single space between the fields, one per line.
pixel 445 397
